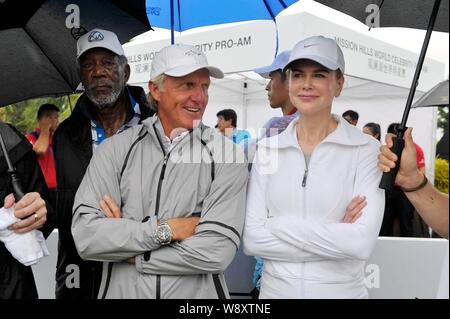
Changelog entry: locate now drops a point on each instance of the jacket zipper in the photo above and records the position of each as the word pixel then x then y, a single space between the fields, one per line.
pixel 305 176
pixel 161 178
pixel 158 197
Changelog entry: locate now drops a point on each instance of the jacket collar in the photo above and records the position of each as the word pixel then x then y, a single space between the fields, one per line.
pixel 154 121
pixel 344 134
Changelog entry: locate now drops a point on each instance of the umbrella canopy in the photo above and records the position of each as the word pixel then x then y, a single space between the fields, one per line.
pixel 182 15
pixel 38 41
pixel 393 13
pixel 437 96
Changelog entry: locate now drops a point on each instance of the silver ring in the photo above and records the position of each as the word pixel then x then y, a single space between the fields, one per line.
pixel 36 218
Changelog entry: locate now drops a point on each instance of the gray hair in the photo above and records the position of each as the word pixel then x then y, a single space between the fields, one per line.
pixel 159 82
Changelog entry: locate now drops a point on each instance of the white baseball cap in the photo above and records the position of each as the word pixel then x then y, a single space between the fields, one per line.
pixel 98 38
pixel 278 63
pixel 324 51
pixel 179 60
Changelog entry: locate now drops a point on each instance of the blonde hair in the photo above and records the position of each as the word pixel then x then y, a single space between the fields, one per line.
pixel 159 83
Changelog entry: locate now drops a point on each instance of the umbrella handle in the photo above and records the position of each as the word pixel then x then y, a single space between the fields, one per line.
pixel 15 181
pixel 388 179
pixel 17 188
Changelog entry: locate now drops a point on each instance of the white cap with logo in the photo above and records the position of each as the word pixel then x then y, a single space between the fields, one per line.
pixel 324 51
pixel 98 38
pixel 179 60
pixel 278 63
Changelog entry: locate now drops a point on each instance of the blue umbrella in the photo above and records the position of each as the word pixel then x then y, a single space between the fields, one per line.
pixel 182 15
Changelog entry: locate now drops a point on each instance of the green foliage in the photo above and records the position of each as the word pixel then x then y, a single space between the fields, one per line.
pixel 442 117
pixel 23 114
pixel 441 174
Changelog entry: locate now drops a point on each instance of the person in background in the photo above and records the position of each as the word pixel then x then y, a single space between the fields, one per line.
pixel 277 88
pixel 107 107
pixel 278 95
pixel 226 124
pixel 399 212
pixel 301 182
pixel 351 117
pixel 373 129
pixel 42 140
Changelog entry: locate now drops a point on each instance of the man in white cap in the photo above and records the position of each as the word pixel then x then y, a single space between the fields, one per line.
pixel 107 107
pixel 22 220
pixel 181 189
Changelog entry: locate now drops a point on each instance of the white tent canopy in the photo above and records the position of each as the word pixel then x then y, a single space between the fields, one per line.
pixel 378 74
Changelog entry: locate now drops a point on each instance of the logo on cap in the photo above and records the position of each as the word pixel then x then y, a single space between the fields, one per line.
pixel 192 52
pixel 95 36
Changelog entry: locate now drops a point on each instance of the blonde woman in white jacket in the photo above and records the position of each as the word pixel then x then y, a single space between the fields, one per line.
pixel 301 183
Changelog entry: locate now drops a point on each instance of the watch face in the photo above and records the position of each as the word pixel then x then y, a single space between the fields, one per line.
pixel 164 234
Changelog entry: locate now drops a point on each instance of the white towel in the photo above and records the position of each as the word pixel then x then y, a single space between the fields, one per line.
pixel 27 248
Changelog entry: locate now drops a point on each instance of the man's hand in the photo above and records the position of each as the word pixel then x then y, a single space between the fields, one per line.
pixel 408 174
pixel 354 209
pixel 110 208
pixel 46 124
pixel 30 209
pixel 183 227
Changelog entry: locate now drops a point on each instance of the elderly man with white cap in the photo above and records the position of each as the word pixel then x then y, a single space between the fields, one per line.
pixel 107 107
pixel 180 187
pixel 297 218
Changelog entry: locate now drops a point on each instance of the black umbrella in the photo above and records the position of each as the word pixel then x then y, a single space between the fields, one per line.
pixel 437 96
pixel 38 41
pixel 417 14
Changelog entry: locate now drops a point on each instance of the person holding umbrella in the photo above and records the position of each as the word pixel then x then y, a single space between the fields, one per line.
pixel 431 204
pixel 32 210
pixel 313 247
pixel 107 107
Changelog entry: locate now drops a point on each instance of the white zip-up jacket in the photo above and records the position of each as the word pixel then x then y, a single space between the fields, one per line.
pixel 294 214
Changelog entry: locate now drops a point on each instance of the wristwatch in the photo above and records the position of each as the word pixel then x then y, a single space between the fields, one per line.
pixel 163 233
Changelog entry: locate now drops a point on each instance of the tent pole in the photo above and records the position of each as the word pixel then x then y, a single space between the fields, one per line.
pixel 172 24
pixel 245 105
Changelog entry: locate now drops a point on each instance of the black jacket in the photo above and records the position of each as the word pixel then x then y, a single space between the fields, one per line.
pixel 72 146
pixel 16 280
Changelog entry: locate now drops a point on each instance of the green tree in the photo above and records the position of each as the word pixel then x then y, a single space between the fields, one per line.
pixel 23 114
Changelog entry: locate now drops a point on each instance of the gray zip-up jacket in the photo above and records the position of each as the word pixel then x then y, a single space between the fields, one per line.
pixel 204 174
